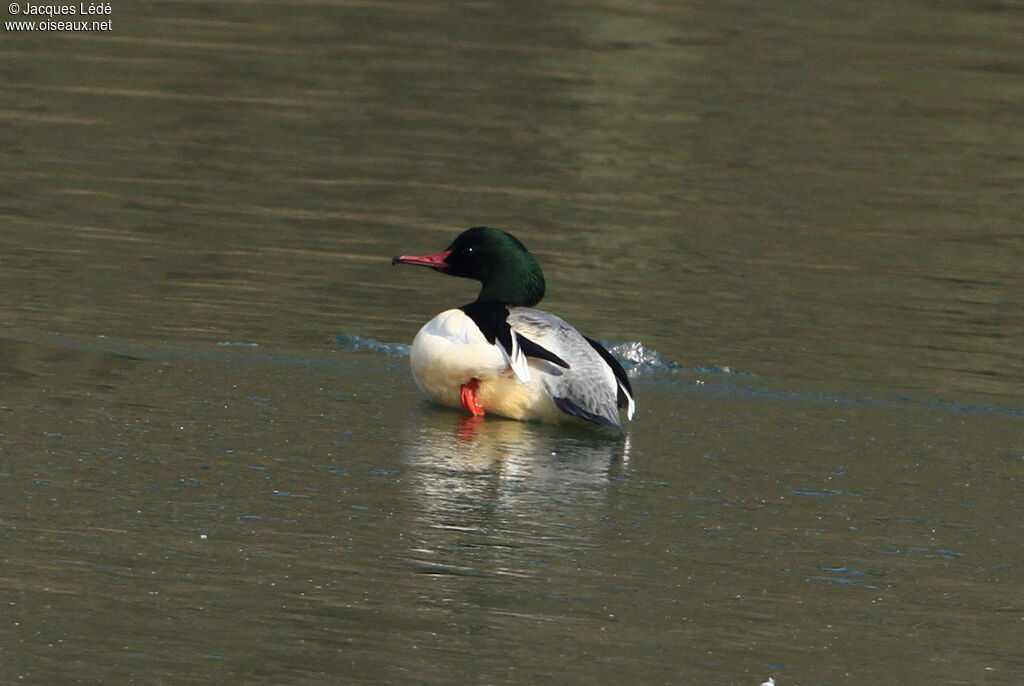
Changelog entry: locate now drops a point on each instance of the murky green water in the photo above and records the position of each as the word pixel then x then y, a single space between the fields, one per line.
pixel 200 485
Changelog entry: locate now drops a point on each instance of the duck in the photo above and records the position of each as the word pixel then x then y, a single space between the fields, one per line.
pixel 500 355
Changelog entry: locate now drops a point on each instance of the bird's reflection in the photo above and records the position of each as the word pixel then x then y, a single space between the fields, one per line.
pixel 443 445
pixel 489 490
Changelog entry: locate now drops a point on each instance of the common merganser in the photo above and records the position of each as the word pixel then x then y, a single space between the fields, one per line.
pixel 500 355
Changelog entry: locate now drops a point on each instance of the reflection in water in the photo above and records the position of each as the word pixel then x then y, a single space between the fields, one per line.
pixel 488 489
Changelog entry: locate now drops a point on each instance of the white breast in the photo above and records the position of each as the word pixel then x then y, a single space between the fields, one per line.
pixel 449 351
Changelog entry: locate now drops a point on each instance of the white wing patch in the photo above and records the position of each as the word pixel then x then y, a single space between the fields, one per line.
pixel 515 358
pixel 631 405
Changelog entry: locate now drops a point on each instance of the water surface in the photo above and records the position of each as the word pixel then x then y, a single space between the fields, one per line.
pixel 813 213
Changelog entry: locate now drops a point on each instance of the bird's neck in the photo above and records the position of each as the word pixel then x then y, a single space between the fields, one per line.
pixel 514 286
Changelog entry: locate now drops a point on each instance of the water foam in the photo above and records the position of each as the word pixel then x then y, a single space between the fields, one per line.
pixel 354 343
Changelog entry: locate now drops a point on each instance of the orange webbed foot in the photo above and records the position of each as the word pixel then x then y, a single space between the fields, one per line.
pixel 469 399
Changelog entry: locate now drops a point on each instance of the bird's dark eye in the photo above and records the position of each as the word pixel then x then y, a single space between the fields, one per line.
pixel 468 250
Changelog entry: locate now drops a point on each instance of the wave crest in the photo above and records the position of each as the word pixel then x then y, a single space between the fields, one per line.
pixel 354 343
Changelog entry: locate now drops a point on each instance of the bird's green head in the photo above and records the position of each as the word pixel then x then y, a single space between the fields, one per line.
pixel 498 260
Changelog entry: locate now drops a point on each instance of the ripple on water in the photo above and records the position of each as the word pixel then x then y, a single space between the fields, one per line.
pixel 352 343
pixel 634 356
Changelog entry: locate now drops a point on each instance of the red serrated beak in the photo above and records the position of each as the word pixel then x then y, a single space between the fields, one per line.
pixel 435 261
